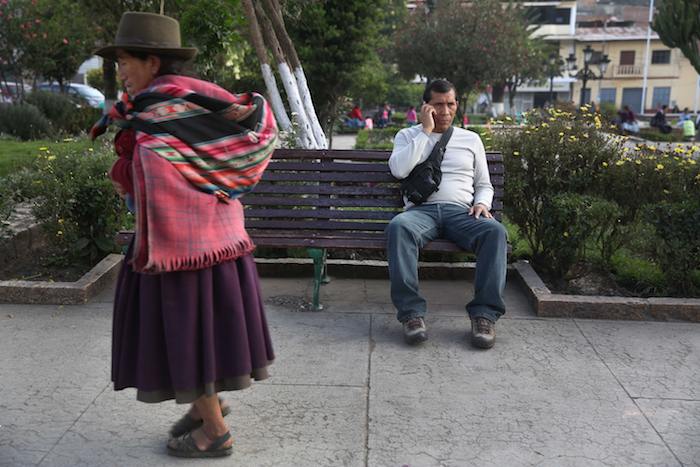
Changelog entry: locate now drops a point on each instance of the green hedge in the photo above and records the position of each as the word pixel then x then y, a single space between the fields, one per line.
pixel 576 194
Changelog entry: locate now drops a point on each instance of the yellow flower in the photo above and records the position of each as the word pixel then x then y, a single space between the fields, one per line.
pixel 59 233
pixel 508 119
pixel 90 149
pixel 516 153
pixel 527 132
pixel 652 147
pixel 638 162
pixel 605 164
pixel 659 166
pixel 50 158
pixel 566 234
pixel 68 140
pixel 561 133
pixel 545 124
pixel 619 163
pixel 43 148
pixel 552 119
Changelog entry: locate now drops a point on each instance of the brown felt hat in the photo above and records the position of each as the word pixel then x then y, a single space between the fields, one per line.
pixel 148 32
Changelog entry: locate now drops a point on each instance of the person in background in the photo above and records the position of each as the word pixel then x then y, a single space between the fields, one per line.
pixel 355 117
pixel 188 317
pixel 629 120
pixel 411 116
pixel 659 120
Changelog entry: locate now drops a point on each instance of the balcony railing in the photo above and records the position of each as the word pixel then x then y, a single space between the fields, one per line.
pixel 670 70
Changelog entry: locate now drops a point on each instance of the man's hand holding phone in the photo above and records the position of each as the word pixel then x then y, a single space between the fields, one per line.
pixel 427 113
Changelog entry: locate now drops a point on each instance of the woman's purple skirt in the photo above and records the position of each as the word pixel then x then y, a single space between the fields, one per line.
pixel 181 335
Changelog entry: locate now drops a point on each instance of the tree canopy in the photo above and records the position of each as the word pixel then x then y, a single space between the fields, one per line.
pixel 677 22
pixel 334 40
pixel 471 44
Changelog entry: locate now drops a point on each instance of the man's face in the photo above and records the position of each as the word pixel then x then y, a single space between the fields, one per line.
pixel 445 105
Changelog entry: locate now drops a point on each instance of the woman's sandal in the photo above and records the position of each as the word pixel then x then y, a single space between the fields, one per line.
pixel 187 423
pixel 185 446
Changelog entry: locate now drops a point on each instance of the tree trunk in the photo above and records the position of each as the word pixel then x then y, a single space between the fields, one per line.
pixel 497 93
pixel 288 80
pixel 269 77
pixel 274 12
pixel 109 75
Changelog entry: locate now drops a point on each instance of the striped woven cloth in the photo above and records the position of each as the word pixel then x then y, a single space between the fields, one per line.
pixel 220 146
pixel 194 140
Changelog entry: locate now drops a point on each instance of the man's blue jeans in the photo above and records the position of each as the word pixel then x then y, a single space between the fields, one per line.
pixel 414 228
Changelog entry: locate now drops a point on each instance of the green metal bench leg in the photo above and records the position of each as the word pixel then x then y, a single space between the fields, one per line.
pixel 319 257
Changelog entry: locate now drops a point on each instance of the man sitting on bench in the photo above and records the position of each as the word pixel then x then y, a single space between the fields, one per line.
pixel 458 211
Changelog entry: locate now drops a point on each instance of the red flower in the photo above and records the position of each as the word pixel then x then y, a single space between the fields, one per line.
pixel 65 41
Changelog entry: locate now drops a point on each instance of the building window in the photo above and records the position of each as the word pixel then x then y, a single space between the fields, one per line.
pixel 660 57
pixel 661 96
pixel 627 57
pixel 608 95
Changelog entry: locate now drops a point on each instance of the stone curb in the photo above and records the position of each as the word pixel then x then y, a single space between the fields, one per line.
pixel 547 304
pixel 62 293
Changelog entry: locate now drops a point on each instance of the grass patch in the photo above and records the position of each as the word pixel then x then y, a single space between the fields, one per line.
pixel 637 274
pixel 15 154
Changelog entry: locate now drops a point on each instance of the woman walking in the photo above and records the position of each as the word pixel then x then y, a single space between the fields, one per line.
pixel 188 315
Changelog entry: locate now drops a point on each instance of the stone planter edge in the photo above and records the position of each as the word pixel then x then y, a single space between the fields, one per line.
pixel 548 304
pixel 63 293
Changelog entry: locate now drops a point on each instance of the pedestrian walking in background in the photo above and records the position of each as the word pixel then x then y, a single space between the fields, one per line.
pixel 188 314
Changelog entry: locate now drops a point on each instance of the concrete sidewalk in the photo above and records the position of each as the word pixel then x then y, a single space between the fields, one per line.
pixel 345 390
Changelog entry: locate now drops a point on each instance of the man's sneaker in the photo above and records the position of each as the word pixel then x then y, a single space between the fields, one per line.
pixel 483 333
pixel 414 331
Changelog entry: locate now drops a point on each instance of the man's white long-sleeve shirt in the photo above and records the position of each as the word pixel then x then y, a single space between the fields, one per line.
pixel 465 172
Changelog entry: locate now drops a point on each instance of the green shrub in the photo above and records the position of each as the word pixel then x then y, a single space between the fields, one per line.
pixel 382 138
pixel 77 204
pixel 67 115
pixel 653 134
pixel 641 176
pixel 56 107
pixel 558 152
pixel 95 78
pixel 571 220
pixel 677 227
pixel 23 121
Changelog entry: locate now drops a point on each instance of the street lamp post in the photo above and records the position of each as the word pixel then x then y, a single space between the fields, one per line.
pixel 586 74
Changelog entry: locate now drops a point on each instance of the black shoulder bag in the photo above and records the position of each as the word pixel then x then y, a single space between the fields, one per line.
pixel 425 178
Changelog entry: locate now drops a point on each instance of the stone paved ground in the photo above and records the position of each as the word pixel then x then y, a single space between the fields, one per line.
pixel 345 390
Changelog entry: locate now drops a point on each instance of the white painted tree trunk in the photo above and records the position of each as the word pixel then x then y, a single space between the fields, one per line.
pixel 319 135
pixel 290 86
pixel 275 98
pixel 498 108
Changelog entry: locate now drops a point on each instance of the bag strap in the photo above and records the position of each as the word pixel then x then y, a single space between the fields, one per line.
pixel 438 151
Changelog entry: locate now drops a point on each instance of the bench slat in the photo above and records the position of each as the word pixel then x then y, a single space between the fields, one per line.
pixel 307 176
pixel 321 201
pixel 320 213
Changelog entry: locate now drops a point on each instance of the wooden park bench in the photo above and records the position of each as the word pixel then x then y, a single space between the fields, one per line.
pixel 334 199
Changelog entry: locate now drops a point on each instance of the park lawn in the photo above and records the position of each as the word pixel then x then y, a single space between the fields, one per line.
pixel 15 154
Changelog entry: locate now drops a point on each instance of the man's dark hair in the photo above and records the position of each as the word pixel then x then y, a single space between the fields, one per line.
pixel 441 86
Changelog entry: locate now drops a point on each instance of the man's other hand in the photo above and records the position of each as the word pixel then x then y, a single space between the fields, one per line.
pixel 479 210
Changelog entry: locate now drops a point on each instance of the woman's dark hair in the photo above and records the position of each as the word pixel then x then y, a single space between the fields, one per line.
pixel 441 86
pixel 168 65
